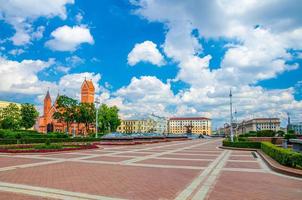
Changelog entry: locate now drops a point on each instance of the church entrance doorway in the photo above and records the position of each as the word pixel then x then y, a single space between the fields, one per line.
pixel 49 128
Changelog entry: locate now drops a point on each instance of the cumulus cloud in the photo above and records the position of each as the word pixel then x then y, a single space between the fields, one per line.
pixel 70 84
pixel 79 17
pixel 22 13
pixel 258 36
pixel 75 60
pixel 22 77
pixel 143 96
pixel 67 38
pixel 38 34
pixel 63 69
pixel 16 52
pixel 145 52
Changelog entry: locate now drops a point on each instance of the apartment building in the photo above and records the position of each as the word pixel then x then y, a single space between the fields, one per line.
pixel 194 125
pixel 258 124
pixel 137 126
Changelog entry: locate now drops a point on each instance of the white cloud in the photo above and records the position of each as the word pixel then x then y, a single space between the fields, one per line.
pixel 79 17
pixel 21 77
pixel 258 36
pixel 21 37
pixel 261 51
pixel 21 14
pixel 70 84
pixel 67 38
pixel 75 60
pixel 16 52
pixel 63 69
pixel 145 52
pixel 143 96
pixel 38 34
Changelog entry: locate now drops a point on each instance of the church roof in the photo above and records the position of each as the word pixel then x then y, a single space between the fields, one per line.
pixel 89 84
pixel 47 95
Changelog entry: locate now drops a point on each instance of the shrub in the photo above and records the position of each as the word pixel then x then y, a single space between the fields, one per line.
pixel 50 146
pixel 285 157
pixel 280 133
pixel 249 134
pixel 266 133
pixel 241 139
pixel 242 144
pixel 47 142
pixel 263 133
pixel 290 136
pixel 52 140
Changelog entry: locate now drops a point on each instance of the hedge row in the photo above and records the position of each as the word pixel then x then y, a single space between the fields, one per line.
pixel 18 134
pixel 242 144
pixel 51 140
pixel 285 157
pixel 263 133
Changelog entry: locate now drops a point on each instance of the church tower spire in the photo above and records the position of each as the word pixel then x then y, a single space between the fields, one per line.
pixel 47 103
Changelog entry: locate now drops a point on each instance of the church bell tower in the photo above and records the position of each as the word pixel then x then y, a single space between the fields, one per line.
pixel 87 91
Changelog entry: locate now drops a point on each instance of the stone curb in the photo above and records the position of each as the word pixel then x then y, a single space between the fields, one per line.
pixel 239 149
pixel 272 164
pixel 138 142
pixel 53 151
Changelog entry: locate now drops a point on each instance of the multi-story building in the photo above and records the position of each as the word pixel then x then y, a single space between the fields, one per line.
pixel 297 127
pixel 137 126
pixel 194 125
pixel 4 104
pixel 258 124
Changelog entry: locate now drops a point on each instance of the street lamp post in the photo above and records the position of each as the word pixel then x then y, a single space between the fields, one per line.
pixel 231 117
pixel 73 131
pixel 97 103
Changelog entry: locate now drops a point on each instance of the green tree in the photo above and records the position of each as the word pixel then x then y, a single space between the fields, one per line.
pixel 10 117
pixel 108 119
pixel 66 110
pixel 29 115
pixel 86 114
pixel 280 133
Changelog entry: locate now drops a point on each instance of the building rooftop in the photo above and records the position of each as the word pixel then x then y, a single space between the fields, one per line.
pixel 6 103
pixel 89 84
pixel 189 118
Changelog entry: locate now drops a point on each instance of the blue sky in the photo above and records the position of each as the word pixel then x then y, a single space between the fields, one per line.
pixel 173 58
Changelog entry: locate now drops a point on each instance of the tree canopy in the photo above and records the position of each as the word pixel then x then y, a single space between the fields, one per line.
pixel 108 118
pixel 29 115
pixel 66 109
pixel 86 114
pixel 12 117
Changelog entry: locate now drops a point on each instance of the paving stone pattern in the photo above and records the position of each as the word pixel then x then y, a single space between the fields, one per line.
pixel 195 169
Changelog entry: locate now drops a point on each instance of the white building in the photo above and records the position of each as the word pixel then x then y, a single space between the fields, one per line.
pixel 195 125
pixel 258 124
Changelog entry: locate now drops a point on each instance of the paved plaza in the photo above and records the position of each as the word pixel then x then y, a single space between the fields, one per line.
pixel 195 169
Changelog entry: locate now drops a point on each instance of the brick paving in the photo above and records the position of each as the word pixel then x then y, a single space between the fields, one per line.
pixel 194 169
pixel 12 161
pixel 255 186
pixel 249 165
pixel 14 196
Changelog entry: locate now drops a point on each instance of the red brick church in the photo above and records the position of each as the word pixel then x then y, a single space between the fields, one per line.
pixel 47 123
